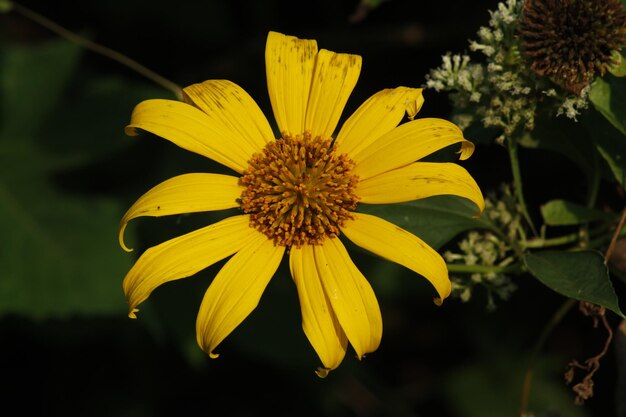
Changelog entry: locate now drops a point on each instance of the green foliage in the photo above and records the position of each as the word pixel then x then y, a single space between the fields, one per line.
pixel 65 166
pixel 607 96
pixel 579 275
pixel 566 213
pixel 473 388
pixel 60 254
pixel 609 142
pixel 436 220
pixel 5 6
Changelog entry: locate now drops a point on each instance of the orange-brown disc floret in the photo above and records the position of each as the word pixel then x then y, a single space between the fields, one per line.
pixel 298 190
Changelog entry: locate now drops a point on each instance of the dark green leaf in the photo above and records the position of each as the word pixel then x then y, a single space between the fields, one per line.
pixel 60 254
pixel 610 142
pixel 32 80
pixel 566 213
pixel 579 275
pixel 607 95
pixel 564 136
pixel 436 220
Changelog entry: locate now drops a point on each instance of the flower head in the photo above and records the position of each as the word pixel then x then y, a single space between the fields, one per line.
pixel 572 40
pixel 297 193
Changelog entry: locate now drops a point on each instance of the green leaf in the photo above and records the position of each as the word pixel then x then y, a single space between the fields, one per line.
pixel 610 143
pixel 608 97
pixel 436 220
pixel 32 80
pixel 60 254
pixel 579 275
pixel 564 136
pixel 566 213
pixel 58 216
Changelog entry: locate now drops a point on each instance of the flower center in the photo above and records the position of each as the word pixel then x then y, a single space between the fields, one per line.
pixel 298 190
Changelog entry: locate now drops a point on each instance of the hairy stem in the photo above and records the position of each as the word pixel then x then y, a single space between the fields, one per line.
pixel 517 181
pixel 483 269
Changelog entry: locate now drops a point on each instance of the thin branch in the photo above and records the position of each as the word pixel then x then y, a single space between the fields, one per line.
pixel 97 48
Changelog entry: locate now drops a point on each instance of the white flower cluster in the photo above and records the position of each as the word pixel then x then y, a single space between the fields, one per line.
pixel 487 249
pixel 501 91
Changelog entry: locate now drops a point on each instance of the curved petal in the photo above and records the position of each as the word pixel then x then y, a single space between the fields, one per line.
pixel 289 64
pixel 188 193
pixel 183 256
pixel 350 295
pixel 334 78
pixel 389 241
pixel 376 116
pixel 319 321
pixel 236 291
pixel 408 143
pixel 191 129
pixel 230 106
pixel 420 180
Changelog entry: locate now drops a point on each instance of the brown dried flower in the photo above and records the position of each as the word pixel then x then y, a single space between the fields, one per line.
pixel 570 41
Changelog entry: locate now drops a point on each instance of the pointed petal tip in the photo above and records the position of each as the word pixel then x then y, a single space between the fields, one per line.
pixel 438 301
pixel 322 372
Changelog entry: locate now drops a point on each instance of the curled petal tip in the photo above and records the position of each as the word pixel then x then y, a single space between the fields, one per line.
pixel 131 131
pixel 132 313
pixel 467 149
pixel 413 103
pixel 322 372
pixel 121 237
pixel 129 250
pixel 438 301
pixel 213 355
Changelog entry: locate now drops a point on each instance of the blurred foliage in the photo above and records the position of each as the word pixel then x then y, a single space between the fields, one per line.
pixel 68 173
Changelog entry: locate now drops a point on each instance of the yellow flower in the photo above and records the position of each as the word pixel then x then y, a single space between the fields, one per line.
pixel 297 194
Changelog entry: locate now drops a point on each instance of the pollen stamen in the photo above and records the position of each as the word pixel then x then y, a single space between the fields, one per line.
pixel 298 190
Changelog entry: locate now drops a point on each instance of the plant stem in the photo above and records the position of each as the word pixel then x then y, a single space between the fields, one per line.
pixel 609 251
pixel 470 269
pixel 550 325
pixel 555 241
pixel 517 181
pixel 97 48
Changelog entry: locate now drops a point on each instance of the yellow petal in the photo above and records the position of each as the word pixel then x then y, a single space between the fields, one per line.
pixel 236 291
pixel 188 193
pixel 334 78
pixel 230 106
pixel 191 129
pixel 184 256
pixel 350 295
pixel 289 64
pixel 397 245
pixel 319 321
pixel 420 180
pixel 376 116
pixel 408 143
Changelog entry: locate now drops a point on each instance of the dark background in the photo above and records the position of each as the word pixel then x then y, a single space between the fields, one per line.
pixel 458 360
